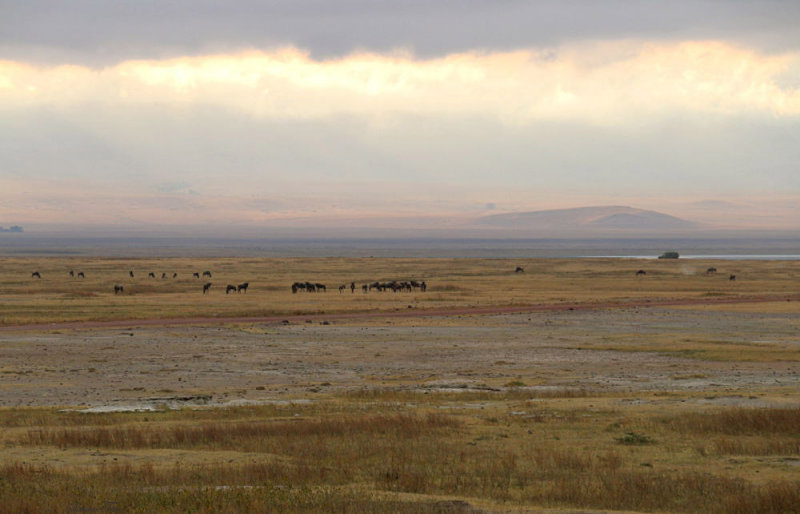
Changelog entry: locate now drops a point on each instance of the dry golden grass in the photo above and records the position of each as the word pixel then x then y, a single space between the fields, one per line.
pixel 383 455
pixel 452 283
pixel 704 349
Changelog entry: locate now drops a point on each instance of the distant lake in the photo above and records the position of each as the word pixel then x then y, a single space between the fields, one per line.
pixel 162 246
pixel 725 257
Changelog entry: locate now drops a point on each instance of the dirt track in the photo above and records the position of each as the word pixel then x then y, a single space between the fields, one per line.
pixel 399 313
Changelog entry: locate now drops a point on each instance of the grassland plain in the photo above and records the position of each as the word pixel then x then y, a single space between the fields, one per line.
pixel 692 408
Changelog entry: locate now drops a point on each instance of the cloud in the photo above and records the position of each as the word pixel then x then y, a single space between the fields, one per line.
pixel 102 33
pixel 259 136
pixel 608 84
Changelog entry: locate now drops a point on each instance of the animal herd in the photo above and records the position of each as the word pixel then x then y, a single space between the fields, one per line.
pixel 315 287
pixel 237 289
pixel 120 289
pixel 394 286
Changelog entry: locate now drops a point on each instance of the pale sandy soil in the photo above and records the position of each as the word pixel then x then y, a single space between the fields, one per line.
pixel 149 367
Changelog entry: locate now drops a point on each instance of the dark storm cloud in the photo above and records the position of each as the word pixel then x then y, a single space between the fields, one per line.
pixel 100 32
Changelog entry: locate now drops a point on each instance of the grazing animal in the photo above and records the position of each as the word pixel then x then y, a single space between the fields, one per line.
pixel 364 288
pixel 423 287
pixel 519 270
pixel 196 275
pixel 342 288
pixel 163 275
pixel 151 275
pixel 36 274
pixel 641 272
pixel 81 275
pixel 352 287
pixel 131 273
pixel 320 287
pixel 71 273
pixel 174 275
pixel 732 277
pixel 230 288
pixel 711 270
pixel 118 289
pixel 206 287
pixel 207 274
pixel 242 287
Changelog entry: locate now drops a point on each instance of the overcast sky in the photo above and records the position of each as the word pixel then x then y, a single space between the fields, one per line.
pixel 264 112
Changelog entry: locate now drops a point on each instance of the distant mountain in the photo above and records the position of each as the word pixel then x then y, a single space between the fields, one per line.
pixel 589 219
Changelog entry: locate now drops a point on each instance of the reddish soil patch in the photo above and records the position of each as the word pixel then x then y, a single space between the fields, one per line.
pixel 409 313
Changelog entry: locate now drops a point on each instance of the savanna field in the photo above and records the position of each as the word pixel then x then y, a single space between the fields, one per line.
pixel 574 385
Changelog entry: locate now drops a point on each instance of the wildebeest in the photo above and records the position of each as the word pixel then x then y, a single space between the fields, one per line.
pixel 131 273
pixel 207 274
pixel 365 288
pixel 732 277
pixel 151 275
pixel 352 287
pixel 36 274
pixel 196 274
pixel 320 287
pixel 118 289
pixel 641 272
pixel 242 287
pixel 206 287
pixel 230 288
pixel 519 270
pixel 342 288
pixel 163 275
pixel 71 273
pixel 305 286
pixel 81 275
pixel 174 275
pixel 711 270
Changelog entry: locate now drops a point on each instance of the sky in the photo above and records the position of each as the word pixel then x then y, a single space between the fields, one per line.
pixel 296 112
